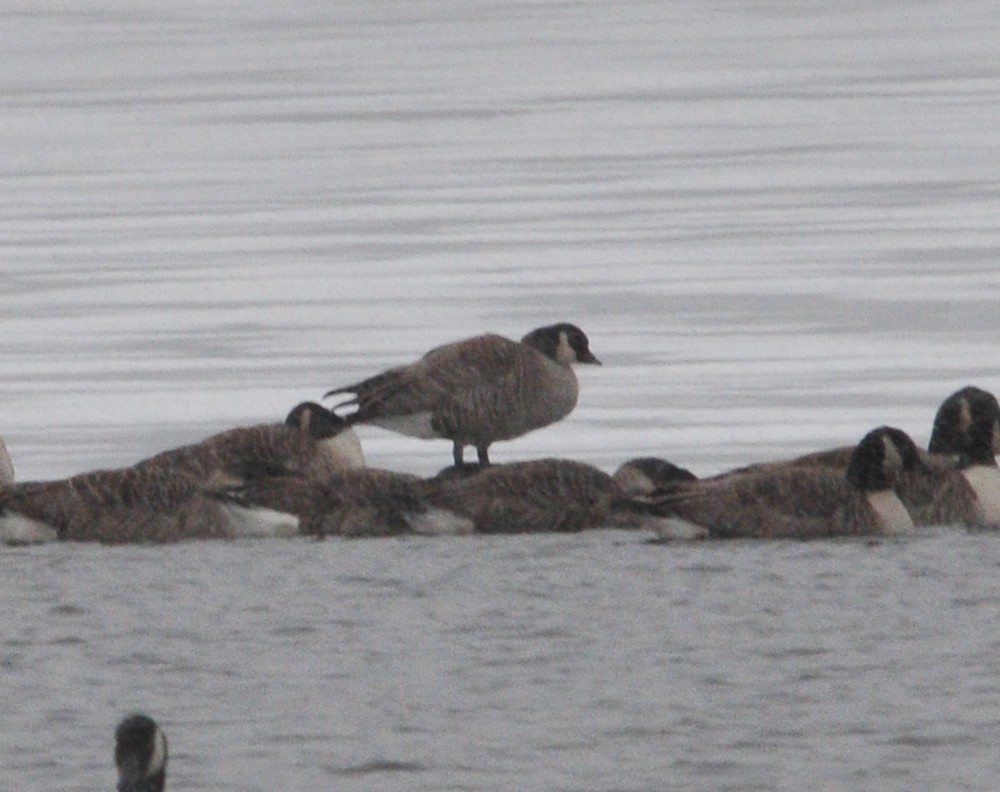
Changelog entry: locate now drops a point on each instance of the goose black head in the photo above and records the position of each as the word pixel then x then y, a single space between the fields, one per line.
pixel 983 432
pixel 956 417
pixel 319 421
pixel 140 755
pixel 651 475
pixel 881 456
pixel 564 343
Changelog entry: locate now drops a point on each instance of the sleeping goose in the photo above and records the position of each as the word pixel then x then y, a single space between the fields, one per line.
pixel 546 495
pixel 365 502
pixel 805 502
pixel 958 482
pixel 140 755
pixel 168 497
pixel 650 477
pixel 477 391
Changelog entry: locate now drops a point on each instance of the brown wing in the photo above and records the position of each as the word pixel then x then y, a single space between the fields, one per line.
pixel 452 372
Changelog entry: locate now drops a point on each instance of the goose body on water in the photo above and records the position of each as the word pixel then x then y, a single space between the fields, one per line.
pixel 949 432
pixel 967 491
pixel 140 755
pixel 547 495
pixel 477 391
pixel 957 482
pixel 168 497
pixel 805 502
pixel 365 502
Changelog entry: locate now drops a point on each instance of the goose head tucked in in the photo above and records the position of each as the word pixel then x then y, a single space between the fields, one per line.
pixel 341 448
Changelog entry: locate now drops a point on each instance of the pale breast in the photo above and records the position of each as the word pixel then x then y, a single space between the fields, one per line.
pixel 892 516
pixel 548 393
pixel 985 482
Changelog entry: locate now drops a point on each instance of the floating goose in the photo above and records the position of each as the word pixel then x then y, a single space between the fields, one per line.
pixel 354 503
pixel 477 391
pixel 168 497
pixel 790 501
pixel 948 435
pixel 140 755
pixel 969 493
pixel 958 482
pixel 546 495
pixel 651 477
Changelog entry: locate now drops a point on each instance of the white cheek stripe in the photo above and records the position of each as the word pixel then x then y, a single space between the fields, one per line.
pixel 892 514
pixel 564 352
pixel 159 757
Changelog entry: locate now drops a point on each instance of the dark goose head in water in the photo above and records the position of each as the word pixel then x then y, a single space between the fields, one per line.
pixel 140 755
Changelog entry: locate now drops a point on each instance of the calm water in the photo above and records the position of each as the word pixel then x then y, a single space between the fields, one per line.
pixel 775 220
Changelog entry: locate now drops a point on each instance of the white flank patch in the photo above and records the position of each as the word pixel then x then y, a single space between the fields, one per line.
pixel 985 482
pixel 440 522
pixel 413 425
pixel 345 448
pixel 892 514
pixel 257 522
pixel 16 529
pixel 676 528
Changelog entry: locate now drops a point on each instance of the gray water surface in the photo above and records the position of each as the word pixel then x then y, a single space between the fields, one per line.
pixel 776 221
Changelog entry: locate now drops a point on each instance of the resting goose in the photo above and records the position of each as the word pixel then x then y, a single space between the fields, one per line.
pixel 365 502
pixel 957 482
pixel 477 391
pixel 168 497
pixel 967 493
pixel 546 495
pixel 788 501
pixel 948 434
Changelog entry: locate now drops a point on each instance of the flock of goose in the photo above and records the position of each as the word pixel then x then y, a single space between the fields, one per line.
pixel 307 476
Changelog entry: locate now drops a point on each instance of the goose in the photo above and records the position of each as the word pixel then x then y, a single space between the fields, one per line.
pixel 650 477
pixel 805 502
pixel 948 434
pixel 168 497
pixel 477 391
pixel 957 482
pixel 546 495
pixel 313 442
pixel 140 755
pixel 365 502
pixel 968 493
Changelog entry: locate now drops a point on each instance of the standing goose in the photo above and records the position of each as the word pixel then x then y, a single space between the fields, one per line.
pixel 805 502
pixel 477 391
pixel 364 502
pixel 545 495
pixel 168 497
pixel 140 755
